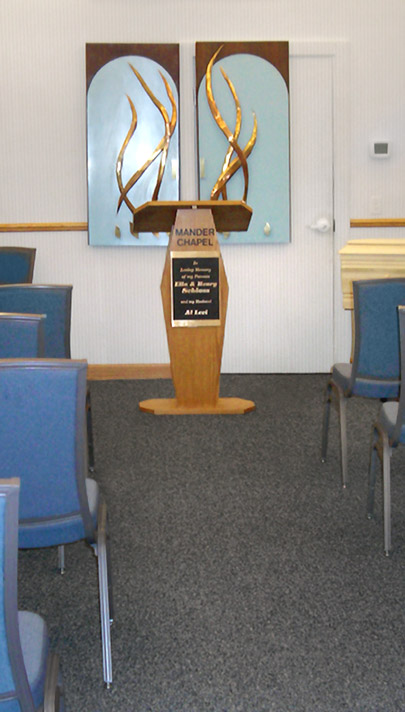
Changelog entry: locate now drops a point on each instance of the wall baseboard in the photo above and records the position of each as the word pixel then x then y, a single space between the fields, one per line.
pixel 126 371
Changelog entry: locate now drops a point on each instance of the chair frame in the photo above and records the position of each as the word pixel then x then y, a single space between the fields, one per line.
pixel 383 445
pixel 341 405
pixel 96 537
pixel 333 388
pixel 52 691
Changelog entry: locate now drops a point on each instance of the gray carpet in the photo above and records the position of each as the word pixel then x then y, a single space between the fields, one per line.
pixel 246 579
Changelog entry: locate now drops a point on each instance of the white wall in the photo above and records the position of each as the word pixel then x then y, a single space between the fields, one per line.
pixel 116 304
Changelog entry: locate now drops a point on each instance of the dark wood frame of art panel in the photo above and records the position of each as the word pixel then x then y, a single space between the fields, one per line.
pixel 98 54
pixel 275 52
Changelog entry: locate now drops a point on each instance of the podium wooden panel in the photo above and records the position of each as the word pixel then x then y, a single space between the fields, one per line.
pixel 159 216
pixel 195 303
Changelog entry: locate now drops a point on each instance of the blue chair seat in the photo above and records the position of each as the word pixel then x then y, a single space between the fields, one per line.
pixel 35 648
pixel 387 420
pixel 64 530
pixel 365 387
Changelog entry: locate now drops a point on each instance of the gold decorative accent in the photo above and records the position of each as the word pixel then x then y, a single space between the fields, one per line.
pixel 236 132
pixel 161 149
pixel 118 165
pixel 229 167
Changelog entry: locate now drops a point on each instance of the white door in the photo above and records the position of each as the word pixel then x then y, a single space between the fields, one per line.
pixel 312 249
pixel 281 301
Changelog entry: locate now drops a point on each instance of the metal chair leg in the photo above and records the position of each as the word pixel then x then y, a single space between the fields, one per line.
pixel 110 581
pixel 103 580
pixel 372 473
pixel 342 401
pixel 61 558
pixel 386 461
pixel 325 421
pixel 90 438
pixel 53 691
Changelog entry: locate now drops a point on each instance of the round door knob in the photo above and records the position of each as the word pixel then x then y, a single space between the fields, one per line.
pixel 321 225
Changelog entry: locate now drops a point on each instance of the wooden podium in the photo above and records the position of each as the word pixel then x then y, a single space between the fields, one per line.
pixel 194 292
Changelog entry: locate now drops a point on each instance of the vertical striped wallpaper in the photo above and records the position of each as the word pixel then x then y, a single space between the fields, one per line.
pixel 116 300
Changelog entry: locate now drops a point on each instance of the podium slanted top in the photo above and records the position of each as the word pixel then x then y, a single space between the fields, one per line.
pixel 159 215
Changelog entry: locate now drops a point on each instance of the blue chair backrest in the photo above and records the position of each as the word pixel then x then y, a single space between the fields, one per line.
pixel 22 335
pixel 55 301
pixel 376 350
pixel 16 264
pixel 13 679
pixel 43 434
pixel 398 435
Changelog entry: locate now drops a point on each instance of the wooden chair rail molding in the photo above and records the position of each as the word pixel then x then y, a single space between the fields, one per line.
pixel 44 227
pixel 377 222
pixel 82 226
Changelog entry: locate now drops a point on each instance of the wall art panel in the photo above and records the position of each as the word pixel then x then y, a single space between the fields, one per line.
pixel 132 137
pixel 243 133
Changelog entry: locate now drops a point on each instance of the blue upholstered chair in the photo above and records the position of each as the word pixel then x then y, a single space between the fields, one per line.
pixel 54 301
pixel 22 335
pixel 388 432
pixel 43 441
pixel 29 678
pixel 375 371
pixel 16 264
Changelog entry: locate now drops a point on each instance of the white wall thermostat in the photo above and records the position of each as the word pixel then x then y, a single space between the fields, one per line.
pixel 380 149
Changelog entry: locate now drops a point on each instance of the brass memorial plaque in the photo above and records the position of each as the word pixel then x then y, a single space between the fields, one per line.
pixel 195 288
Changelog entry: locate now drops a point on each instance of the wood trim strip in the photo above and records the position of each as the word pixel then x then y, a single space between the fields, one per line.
pixel 82 226
pixel 377 222
pixel 126 371
pixel 44 227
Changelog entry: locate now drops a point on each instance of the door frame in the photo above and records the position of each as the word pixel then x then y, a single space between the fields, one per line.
pixel 339 53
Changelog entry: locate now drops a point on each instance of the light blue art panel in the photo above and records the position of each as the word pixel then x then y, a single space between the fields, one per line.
pixel 262 92
pixel 127 143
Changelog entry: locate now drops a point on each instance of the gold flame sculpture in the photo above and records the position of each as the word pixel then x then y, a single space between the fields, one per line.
pixel 229 166
pixel 161 149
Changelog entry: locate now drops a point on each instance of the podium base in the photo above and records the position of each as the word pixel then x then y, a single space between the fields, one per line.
pixel 223 406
